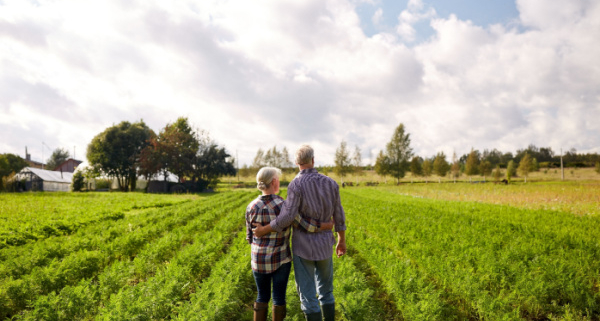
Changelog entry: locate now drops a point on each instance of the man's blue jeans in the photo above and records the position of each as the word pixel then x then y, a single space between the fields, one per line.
pixel 279 278
pixel 314 278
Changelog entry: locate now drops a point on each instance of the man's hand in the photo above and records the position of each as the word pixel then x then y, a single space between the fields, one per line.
pixel 261 230
pixel 340 249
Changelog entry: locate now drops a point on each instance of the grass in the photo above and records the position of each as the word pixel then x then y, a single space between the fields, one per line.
pixel 579 193
pixel 580 198
pixel 461 251
pixel 26 217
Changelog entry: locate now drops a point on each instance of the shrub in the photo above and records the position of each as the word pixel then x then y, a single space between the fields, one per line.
pixel 78 182
pixel 103 183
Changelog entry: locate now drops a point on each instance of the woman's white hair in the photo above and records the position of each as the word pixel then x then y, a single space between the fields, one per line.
pixel 304 154
pixel 265 176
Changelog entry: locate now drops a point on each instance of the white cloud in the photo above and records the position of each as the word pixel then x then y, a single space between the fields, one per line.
pixel 377 17
pixel 259 74
pixel 414 13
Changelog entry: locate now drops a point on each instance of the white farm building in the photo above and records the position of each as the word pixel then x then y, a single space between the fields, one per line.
pixel 36 179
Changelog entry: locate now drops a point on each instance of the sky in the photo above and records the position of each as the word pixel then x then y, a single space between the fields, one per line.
pixel 460 75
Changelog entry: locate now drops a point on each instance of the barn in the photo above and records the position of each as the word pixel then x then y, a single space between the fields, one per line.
pixel 68 166
pixel 36 179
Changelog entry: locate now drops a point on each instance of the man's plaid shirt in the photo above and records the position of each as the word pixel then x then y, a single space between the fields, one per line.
pixel 272 250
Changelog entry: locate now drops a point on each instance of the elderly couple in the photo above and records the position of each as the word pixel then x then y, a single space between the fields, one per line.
pixel 313 207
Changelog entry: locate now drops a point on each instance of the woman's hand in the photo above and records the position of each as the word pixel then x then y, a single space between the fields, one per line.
pixel 260 230
pixel 326 226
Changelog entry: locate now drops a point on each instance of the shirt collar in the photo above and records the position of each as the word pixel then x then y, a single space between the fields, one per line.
pixel 266 197
pixel 308 171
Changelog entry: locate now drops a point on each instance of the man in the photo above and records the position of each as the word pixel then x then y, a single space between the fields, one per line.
pixel 316 196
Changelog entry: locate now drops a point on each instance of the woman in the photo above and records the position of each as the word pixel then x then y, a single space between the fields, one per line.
pixel 271 256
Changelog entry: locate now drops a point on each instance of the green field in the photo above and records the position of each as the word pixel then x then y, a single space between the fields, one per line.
pixel 415 252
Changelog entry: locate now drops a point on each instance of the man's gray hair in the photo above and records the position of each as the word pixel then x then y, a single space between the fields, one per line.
pixel 265 177
pixel 304 155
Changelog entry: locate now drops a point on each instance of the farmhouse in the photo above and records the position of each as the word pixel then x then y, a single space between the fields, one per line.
pixel 68 166
pixel 36 179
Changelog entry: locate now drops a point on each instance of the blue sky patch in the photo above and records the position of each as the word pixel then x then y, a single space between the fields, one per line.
pixel 482 13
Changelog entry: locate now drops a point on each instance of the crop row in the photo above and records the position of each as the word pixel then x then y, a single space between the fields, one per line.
pixel 454 260
pixel 126 241
pixel 158 296
pixel 228 293
pixel 33 216
pixel 106 237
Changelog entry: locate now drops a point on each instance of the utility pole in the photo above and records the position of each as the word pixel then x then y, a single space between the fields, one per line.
pixel 237 161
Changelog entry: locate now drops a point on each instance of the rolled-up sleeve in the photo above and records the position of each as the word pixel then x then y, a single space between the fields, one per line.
pixel 289 210
pixel 339 216
pixel 248 230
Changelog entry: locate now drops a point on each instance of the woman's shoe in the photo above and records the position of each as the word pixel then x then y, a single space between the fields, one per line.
pixel 279 312
pixel 260 311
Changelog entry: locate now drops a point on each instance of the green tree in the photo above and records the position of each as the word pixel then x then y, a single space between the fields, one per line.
pixel 598 167
pixel 77 182
pixel 455 168
pixel 525 165
pixel 116 151
pixel 211 163
pixel 398 152
pixel 416 167
pixel 511 170
pixel 485 168
pixel 427 169
pixel 497 173
pixel 535 166
pixel 4 172
pixel 472 164
pixel 10 164
pixel 153 158
pixel 440 165
pixel 382 165
pixel 182 145
pixel 342 161
pixel 173 150
pixel 58 156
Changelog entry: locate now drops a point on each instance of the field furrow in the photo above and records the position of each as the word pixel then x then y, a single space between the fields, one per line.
pixel 185 257
pixel 224 294
pixel 17 261
pixel 158 296
pixel 85 265
pixel 486 262
pixel 39 216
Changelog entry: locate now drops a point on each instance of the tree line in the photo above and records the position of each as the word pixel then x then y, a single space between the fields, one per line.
pixel 128 150
pixel 398 158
